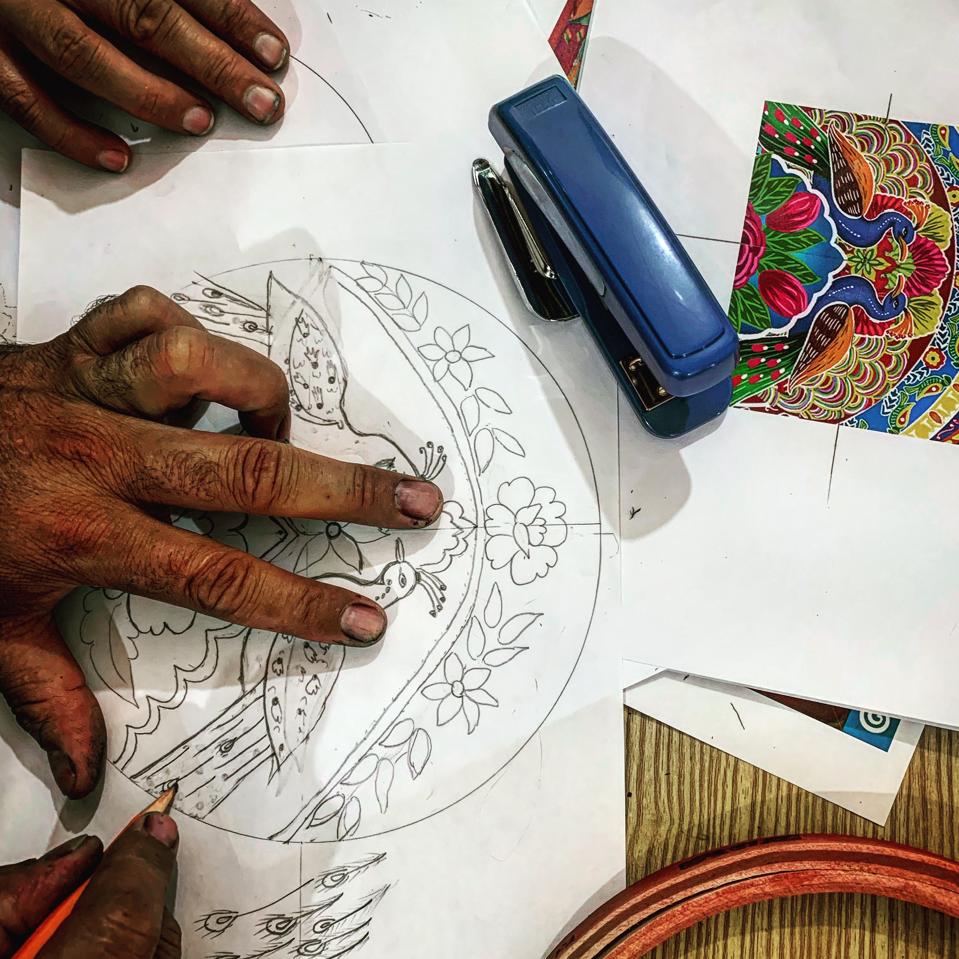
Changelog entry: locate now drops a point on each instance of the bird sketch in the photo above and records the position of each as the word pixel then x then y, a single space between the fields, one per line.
pixel 278 739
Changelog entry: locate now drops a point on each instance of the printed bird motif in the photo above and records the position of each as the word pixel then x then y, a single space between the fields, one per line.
pixel 832 323
pixel 839 170
pixel 827 342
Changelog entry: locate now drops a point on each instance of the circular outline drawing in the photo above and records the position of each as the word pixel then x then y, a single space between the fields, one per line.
pixel 522 535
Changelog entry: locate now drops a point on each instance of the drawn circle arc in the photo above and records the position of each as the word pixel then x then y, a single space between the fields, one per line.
pixel 590 603
pixel 337 94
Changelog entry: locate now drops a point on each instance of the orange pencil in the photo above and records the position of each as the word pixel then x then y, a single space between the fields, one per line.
pixel 52 923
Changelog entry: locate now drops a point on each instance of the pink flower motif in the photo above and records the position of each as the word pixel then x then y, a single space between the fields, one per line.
pixel 782 292
pixel 798 212
pixel 751 247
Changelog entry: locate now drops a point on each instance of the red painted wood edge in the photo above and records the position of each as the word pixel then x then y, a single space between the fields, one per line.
pixel 665 903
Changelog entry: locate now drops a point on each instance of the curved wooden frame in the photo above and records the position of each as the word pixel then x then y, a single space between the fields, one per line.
pixel 656 908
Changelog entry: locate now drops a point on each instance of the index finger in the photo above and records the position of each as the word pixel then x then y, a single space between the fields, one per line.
pixel 121 911
pixel 215 471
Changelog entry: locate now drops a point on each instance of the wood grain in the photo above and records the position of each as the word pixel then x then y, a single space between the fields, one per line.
pixel 684 797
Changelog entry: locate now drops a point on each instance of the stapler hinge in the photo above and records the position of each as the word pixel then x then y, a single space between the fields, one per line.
pixel 537 281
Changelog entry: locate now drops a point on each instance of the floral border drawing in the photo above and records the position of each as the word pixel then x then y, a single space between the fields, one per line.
pixel 494 550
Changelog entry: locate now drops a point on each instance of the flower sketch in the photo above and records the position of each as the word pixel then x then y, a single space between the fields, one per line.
pixel 302 544
pixel 344 542
pixel 454 355
pixel 462 692
pixel 529 523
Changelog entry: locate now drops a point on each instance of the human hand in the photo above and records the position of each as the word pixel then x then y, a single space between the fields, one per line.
pixel 223 45
pixel 89 470
pixel 119 914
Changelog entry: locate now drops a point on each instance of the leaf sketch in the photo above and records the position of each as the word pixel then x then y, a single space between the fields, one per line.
pixel 509 442
pixel 384 782
pixel 470 411
pixel 475 639
pixel 419 753
pixel 493 611
pixel 500 657
pixel 399 733
pixel 321 917
pixel 349 820
pixel 515 626
pixel 492 400
pixel 483 445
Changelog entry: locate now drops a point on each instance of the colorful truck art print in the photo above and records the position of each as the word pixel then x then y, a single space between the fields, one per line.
pixel 845 296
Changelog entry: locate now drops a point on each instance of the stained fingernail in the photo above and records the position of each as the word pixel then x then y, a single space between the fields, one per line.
pixel 418 499
pixel 198 121
pixel 362 623
pixel 64 772
pixel 261 102
pixel 65 848
pixel 162 828
pixel 271 50
pixel 113 160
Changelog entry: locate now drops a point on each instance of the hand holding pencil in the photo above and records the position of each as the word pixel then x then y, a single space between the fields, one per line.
pixel 120 908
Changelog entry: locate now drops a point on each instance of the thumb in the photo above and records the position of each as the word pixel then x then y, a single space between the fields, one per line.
pixel 120 914
pixel 30 890
pixel 50 699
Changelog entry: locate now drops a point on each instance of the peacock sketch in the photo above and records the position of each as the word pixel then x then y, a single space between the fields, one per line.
pixel 282 686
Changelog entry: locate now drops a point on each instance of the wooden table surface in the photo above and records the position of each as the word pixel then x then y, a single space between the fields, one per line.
pixel 684 797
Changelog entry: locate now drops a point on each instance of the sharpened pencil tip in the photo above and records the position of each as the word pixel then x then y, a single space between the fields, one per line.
pixel 167 797
pixel 163 803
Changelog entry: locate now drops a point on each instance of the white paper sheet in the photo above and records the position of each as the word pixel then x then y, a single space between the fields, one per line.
pixel 326 103
pixel 473 813
pixel 547 13
pixel 326 98
pixel 856 775
pixel 12 140
pixel 750 551
pixel 680 86
pixel 435 66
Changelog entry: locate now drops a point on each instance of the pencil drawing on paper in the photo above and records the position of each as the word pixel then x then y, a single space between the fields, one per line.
pixel 493 605
pixel 8 320
pixel 845 294
pixel 327 915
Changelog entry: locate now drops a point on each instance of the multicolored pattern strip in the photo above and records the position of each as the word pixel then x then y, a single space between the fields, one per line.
pixel 569 37
pixel 845 295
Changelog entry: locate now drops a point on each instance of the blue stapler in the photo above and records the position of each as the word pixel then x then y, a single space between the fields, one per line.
pixel 584 239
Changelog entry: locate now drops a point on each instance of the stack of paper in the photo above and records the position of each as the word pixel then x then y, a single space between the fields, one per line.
pixel 474 760
pixel 436 785
pixel 814 558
